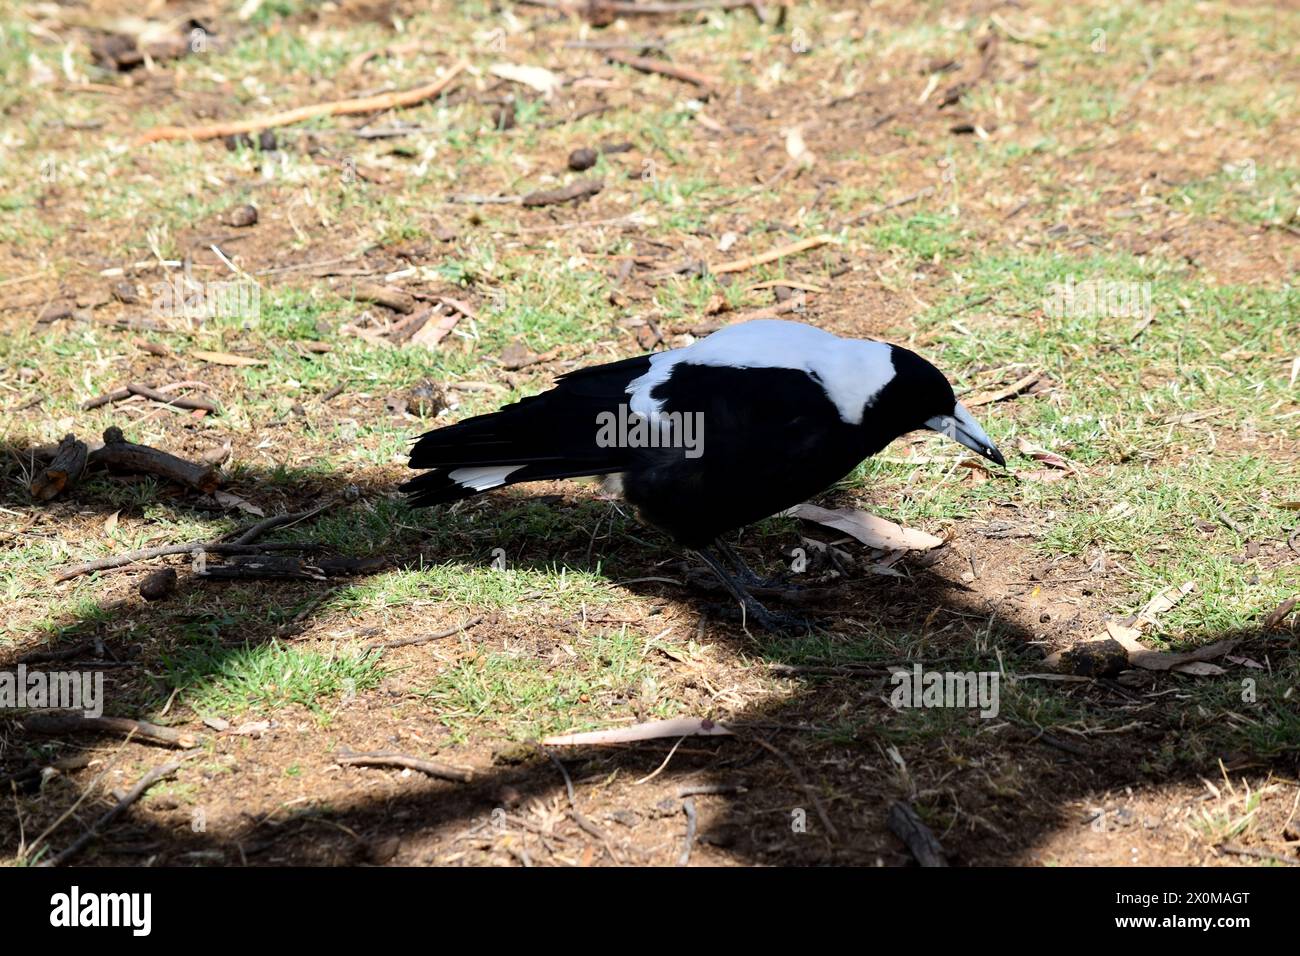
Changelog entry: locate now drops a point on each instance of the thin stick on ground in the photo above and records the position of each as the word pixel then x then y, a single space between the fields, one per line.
pixel 253 532
pixel 366 104
pixel 749 262
pixel 885 207
pixel 578 817
pixel 140 730
pixel 163 550
pixel 576 191
pixel 135 793
pixel 645 64
pixel 426 638
pixel 692 821
pixel 921 841
pixel 406 762
pixel 807 788
pixel 180 401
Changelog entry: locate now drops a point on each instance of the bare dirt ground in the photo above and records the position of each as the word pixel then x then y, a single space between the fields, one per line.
pixel 961 158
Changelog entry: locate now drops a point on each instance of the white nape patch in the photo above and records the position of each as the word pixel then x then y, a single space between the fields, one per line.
pixel 481 479
pixel 851 371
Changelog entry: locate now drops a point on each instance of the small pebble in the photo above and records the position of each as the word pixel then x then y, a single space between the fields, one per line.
pixel 581 159
pixel 242 216
pixel 158 585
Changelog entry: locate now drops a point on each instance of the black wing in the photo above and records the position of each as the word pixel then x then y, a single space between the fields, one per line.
pixel 547 436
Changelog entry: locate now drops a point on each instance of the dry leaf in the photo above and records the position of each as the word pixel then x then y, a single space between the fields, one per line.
pixel 539 78
pixel 1244 662
pixel 228 501
pixel 225 358
pixel 1162 602
pixel 1049 458
pixel 253 728
pixel 1199 669
pixel 651 730
pixel 110 524
pixel 433 332
pixel 1147 659
pixel 872 531
pixel 796 148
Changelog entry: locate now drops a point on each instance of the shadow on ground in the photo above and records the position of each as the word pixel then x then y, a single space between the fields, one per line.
pixel 993 790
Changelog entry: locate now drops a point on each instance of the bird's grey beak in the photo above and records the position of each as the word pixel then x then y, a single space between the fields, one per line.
pixel 961 428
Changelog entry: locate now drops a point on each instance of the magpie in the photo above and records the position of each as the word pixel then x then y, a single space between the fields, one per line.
pixel 703 440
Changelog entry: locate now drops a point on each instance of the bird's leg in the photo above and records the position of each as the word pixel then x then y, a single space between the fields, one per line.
pixel 747 576
pixel 750 605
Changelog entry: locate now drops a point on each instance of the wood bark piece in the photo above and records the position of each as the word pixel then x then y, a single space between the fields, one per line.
pixel 387 296
pixel 367 104
pixel 261 567
pixel 403 331
pixel 64 470
pixel 577 190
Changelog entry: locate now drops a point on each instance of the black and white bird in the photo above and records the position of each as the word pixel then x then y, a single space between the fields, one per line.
pixel 702 440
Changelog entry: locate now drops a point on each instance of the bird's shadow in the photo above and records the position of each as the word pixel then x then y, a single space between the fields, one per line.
pixel 828 749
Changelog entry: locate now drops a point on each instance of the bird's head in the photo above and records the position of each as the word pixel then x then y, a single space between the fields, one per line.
pixel 921 397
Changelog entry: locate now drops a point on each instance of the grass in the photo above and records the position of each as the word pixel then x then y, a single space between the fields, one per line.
pixel 218 681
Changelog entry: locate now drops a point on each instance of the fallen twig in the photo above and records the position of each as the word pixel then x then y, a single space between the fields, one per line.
pixel 116 395
pixel 1256 854
pixel 120 453
pixel 578 817
pixel 253 532
pixel 395 299
pixel 688 808
pixel 441 771
pixel 163 550
pixel 262 567
pixel 885 207
pixel 749 262
pixel 645 64
pixel 144 391
pixel 426 638
pixel 367 104
pixel 1001 394
pixel 921 841
pixel 140 730
pixel 135 793
pixel 650 730
pixel 812 794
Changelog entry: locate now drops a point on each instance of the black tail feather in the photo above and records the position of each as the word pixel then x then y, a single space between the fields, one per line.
pixel 545 437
